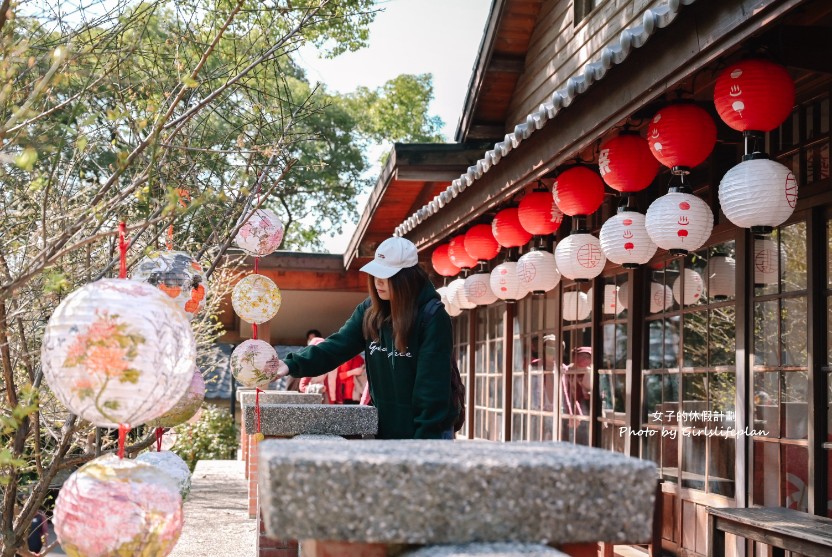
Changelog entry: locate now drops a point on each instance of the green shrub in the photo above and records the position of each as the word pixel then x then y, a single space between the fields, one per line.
pixel 212 437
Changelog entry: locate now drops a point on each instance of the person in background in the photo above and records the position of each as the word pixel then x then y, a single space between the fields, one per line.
pixel 312 334
pixel 327 384
pixel 352 378
pixel 407 349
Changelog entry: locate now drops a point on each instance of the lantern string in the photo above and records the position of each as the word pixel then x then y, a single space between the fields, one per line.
pixel 160 431
pixel 169 239
pixel 122 435
pixel 123 244
pixel 254 331
pixel 257 407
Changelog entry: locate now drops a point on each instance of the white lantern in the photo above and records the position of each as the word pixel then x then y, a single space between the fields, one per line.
pixel 178 275
pixel 759 194
pixel 187 405
pixel 661 297
pixel 169 463
pixel 623 294
pixel 113 506
pixel 579 257
pixel 679 222
pixel 254 363
pixel 538 272
pixel 261 234
pixel 452 310
pixel 766 268
pixel 694 286
pixel 624 240
pixel 456 295
pixel 721 273
pixel 505 284
pixel 478 289
pixel 611 305
pixel 576 306
pixel 256 299
pixel 118 351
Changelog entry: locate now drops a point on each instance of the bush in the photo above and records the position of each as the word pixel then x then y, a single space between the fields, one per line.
pixel 212 437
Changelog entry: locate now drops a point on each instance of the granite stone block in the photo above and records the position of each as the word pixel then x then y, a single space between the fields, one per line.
pixel 443 492
pixel 288 420
pixel 485 549
pixel 248 396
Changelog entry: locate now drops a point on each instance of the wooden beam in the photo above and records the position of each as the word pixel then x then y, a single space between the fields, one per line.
pixel 494 132
pixel 505 63
pixel 805 47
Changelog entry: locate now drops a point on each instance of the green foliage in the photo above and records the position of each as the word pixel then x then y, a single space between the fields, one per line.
pixel 212 437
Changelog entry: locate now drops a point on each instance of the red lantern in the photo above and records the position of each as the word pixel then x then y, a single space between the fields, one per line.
pixel 507 229
pixel 681 135
pixel 441 261
pixel 754 95
pixel 538 213
pixel 579 191
pixel 480 242
pixel 460 257
pixel 626 164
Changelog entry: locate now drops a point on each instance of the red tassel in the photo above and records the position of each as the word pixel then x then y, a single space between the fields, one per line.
pixel 122 435
pixel 160 431
pixel 258 435
pixel 123 244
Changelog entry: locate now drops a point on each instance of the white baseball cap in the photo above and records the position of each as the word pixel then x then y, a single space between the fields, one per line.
pixel 392 255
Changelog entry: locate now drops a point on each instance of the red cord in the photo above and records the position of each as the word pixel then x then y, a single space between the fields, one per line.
pixel 169 239
pixel 122 435
pixel 257 408
pixel 256 265
pixel 254 331
pixel 160 431
pixel 123 244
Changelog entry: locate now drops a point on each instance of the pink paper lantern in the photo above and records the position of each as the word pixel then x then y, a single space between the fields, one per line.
pixel 261 234
pixel 254 363
pixel 187 406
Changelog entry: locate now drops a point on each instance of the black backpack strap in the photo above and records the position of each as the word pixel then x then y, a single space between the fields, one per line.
pixel 429 310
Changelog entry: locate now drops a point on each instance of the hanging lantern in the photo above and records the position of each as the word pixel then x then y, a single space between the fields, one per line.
pixel 579 257
pixel 681 136
pixel 576 306
pixel 679 222
pixel 505 284
pixel 256 299
pixel 578 191
pixel 118 351
pixel 626 163
pixel 754 94
pixel 538 213
pixel 621 297
pixel 721 273
pixel 624 240
pixel 456 295
pixel 459 257
pixel 507 229
pixel 261 234
pixel 766 268
pixel 538 272
pixel 254 363
pixel 441 261
pixel 480 242
pixel 452 310
pixel 478 289
pixel 113 506
pixel 611 305
pixel 661 297
pixel 178 275
pixel 694 286
pixel 169 463
pixel 187 405
pixel 758 193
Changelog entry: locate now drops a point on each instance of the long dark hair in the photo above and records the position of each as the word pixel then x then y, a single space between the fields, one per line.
pixel 402 308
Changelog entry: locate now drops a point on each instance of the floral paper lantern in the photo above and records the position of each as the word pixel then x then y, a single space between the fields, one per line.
pixel 611 305
pixel 254 363
pixel 721 273
pixel 480 242
pixel 441 261
pixel 458 255
pixel 538 213
pixel 694 286
pixel 507 229
pixel 626 163
pixel 679 222
pixel 113 506
pixel 681 136
pixel 538 272
pixel 505 284
pixel 261 234
pixel 767 264
pixel 456 295
pixel 256 299
pixel 759 194
pixel 178 275
pixel 187 405
pixel 579 257
pixel 452 310
pixel 478 289
pixel 118 351
pixel 171 464
pixel 576 306
pixel 661 297
pixel 624 240
pixel 578 191
pixel 754 94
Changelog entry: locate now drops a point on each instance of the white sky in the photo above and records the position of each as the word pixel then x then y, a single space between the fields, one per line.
pixel 440 37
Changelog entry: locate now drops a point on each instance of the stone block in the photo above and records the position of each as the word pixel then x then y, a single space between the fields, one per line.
pixel 485 550
pixel 288 420
pixel 441 492
pixel 248 396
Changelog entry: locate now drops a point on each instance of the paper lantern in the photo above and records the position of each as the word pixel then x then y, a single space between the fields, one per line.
pixel 578 191
pixel 456 295
pixel 681 135
pixel 626 163
pixel 505 284
pixel 261 234
pixel 766 267
pixel 441 261
pixel 576 306
pixel 458 255
pixel 507 229
pixel 538 213
pixel 759 194
pixel 721 273
pixel 754 95
pixel 694 286
pixel 623 295
pixel 480 242
pixel 624 240
pixel 611 305
pixel 113 506
pixel 679 222
pixel 187 405
pixel 178 275
pixel 452 310
pixel 118 351
pixel 579 257
pixel 256 299
pixel 254 363
pixel 538 272
pixel 661 297
pixel 169 463
pixel 478 289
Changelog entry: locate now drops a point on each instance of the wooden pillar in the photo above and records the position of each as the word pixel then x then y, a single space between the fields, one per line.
pixel 472 371
pixel 635 349
pixel 816 325
pixel 508 364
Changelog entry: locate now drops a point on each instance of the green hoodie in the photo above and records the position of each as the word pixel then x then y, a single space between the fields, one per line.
pixel 412 391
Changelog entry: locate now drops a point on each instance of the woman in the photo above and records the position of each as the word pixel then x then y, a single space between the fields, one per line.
pixel 407 354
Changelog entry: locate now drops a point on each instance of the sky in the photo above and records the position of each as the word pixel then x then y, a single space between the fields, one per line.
pixel 440 37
